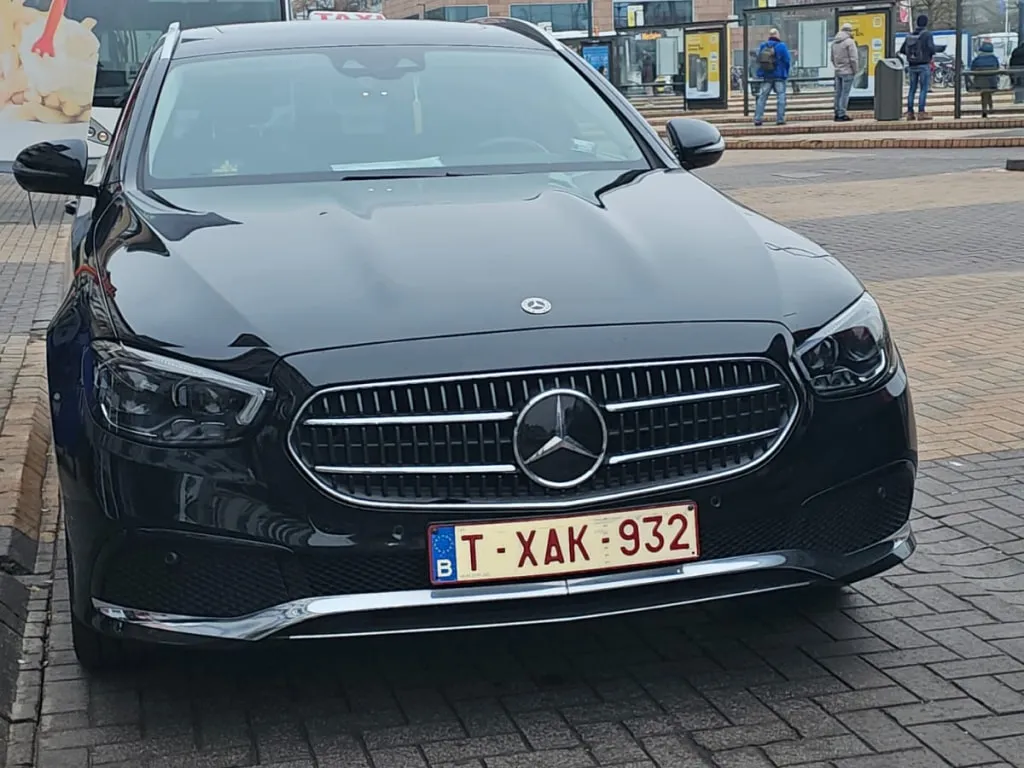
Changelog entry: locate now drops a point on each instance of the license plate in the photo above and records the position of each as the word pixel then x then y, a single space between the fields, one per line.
pixel 523 549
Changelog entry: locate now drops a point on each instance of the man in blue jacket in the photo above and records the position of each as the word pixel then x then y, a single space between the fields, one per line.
pixel 773 66
pixel 918 49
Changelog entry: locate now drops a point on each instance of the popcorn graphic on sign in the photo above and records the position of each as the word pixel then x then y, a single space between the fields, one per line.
pixel 47 64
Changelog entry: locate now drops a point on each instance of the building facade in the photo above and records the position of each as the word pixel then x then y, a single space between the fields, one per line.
pixel 644 37
pixel 608 16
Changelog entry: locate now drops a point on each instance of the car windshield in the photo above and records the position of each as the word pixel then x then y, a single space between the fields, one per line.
pixel 390 111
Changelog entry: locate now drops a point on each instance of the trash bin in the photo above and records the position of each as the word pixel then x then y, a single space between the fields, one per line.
pixel 889 89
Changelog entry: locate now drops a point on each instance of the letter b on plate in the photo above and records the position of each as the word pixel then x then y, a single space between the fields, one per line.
pixel 444 567
pixel 443 570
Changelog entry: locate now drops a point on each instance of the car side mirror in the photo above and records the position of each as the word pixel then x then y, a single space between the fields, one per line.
pixel 696 143
pixel 55 168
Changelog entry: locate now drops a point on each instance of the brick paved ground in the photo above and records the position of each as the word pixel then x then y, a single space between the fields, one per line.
pixel 31 266
pixel 800 167
pixel 922 667
pixel 30 263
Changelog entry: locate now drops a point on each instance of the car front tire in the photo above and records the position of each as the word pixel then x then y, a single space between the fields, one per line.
pixel 95 651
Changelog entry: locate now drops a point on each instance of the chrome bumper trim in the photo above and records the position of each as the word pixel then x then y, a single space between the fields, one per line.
pixel 262 624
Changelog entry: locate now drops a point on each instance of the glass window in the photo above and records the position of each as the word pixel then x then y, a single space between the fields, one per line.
pixel 657 13
pixel 381 110
pixel 466 12
pixel 456 13
pixel 563 17
pixel 738 6
pixel 128 30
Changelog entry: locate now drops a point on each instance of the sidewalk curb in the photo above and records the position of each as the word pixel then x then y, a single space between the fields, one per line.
pixel 24 446
pixel 14 605
pixel 23 650
pixel 28 510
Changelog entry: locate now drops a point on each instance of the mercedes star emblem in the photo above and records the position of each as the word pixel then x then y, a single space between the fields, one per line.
pixel 560 438
pixel 536 306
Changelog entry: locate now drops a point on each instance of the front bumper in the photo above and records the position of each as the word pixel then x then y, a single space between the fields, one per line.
pixel 163 587
pixel 516 605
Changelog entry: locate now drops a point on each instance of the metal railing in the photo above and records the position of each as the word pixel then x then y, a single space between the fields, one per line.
pixel 1011 72
pixel 1007 79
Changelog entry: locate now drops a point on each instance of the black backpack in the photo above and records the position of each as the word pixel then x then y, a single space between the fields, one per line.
pixel 914 50
pixel 766 59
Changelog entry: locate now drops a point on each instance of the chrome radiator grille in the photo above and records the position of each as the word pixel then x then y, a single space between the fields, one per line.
pixel 452 440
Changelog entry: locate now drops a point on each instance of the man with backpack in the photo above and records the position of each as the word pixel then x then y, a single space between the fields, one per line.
pixel 918 49
pixel 773 67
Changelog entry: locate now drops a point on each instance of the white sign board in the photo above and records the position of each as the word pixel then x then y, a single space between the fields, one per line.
pixel 667 51
pixel 813 41
pixel 47 74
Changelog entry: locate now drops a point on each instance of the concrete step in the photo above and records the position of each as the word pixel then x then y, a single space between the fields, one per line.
pixel 824 115
pixel 736 97
pixel 821 101
pixel 810 126
pixel 736 117
pixel 871 126
pixel 968 105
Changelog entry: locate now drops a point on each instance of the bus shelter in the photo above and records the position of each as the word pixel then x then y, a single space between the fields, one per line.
pixel 963 45
pixel 808 30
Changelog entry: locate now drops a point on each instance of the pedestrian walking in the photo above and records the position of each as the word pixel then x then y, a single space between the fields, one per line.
pixel 773 67
pixel 918 49
pixel 1017 78
pixel 985 84
pixel 846 62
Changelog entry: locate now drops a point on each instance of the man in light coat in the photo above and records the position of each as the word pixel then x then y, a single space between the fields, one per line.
pixel 846 62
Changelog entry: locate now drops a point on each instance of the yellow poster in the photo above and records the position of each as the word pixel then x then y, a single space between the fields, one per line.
pixel 47 70
pixel 869 33
pixel 703 65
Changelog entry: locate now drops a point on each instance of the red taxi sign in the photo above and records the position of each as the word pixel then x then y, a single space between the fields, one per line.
pixel 344 16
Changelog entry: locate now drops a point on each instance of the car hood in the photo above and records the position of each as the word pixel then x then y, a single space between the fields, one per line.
pixel 298 267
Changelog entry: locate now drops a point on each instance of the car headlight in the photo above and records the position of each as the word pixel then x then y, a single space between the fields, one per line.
pixel 851 353
pixel 167 401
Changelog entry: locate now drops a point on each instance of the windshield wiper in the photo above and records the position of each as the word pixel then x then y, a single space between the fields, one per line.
pixel 621 180
pixel 384 175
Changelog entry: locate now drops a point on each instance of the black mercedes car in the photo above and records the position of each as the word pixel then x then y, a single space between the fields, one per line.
pixel 396 326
